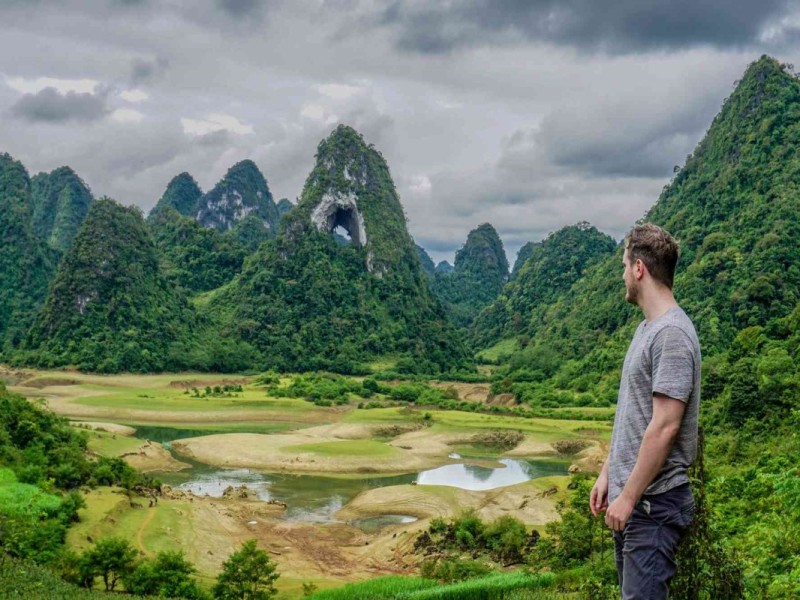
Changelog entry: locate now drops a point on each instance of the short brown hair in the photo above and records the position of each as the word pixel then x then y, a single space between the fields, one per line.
pixel 656 248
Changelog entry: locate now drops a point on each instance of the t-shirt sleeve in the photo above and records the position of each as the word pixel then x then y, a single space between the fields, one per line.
pixel 673 364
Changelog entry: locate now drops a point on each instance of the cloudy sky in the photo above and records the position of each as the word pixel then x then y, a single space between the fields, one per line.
pixel 530 115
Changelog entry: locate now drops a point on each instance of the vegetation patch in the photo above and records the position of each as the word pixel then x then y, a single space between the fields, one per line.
pixel 345 448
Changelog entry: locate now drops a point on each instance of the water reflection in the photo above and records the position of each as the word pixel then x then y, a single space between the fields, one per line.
pixel 477 478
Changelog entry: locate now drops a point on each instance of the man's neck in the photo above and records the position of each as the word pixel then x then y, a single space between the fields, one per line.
pixel 655 302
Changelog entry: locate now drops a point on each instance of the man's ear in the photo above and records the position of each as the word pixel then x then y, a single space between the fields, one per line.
pixel 640 268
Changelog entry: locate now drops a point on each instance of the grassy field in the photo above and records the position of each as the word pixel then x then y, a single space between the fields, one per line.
pixel 343 440
pixel 112 444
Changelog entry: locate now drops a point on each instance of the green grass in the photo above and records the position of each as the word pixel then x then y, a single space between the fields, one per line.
pixel 24 498
pixel 499 350
pixel 345 448
pixel 110 444
pixel 381 587
pixel 491 587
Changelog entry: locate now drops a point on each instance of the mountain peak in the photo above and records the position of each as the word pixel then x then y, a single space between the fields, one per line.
pixel 60 201
pixel 351 187
pixel 241 193
pixel 182 194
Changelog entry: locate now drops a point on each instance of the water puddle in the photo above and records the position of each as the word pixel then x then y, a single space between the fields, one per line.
pixel 375 524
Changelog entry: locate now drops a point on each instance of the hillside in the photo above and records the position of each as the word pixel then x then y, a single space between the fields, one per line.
pixel 733 208
pixel 307 302
pixel 26 264
pixel 196 258
pixel 551 268
pixel 110 308
pixel 60 202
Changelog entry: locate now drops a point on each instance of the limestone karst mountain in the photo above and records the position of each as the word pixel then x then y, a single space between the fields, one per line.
pixel 26 263
pixel 195 258
pixel 110 307
pixel 182 195
pixel 242 193
pixel 551 268
pixel 60 201
pixel 480 270
pixel 307 302
pixel 444 267
pixel 732 207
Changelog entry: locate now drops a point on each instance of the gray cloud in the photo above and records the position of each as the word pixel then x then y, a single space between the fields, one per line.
pixel 145 70
pixel 528 132
pixel 613 25
pixel 51 106
pixel 241 8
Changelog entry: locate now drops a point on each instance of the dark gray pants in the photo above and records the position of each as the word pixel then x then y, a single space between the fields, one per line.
pixel 645 549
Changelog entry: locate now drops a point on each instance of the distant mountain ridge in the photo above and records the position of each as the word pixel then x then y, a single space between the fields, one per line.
pixel 478 276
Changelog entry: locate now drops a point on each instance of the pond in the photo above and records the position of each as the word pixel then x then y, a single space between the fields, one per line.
pixel 316 498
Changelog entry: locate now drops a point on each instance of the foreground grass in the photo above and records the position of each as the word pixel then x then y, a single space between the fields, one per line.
pixel 492 587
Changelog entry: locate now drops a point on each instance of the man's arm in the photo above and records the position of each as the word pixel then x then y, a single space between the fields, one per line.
pixel 656 445
pixel 598 499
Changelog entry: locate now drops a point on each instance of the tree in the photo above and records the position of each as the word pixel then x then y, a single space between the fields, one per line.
pixel 111 558
pixel 169 575
pixel 248 574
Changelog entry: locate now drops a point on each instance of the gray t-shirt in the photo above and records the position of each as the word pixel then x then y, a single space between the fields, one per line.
pixel 664 358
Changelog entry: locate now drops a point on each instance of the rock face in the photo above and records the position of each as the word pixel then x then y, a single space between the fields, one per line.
pixel 340 211
pixel 241 193
pixel 350 187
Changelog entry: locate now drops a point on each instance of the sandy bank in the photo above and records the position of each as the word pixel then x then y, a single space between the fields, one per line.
pixel 527 502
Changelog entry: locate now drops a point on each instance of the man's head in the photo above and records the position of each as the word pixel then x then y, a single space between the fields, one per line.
pixel 649 251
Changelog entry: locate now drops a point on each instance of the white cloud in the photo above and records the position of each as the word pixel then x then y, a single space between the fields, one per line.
pixel 339 91
pixel 127 115
pixel 420 186
pixel 134 95
pixel 215 122
pixel 318 113
pixel 63 86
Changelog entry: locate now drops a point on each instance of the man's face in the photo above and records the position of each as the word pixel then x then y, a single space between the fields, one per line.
pixel 631 285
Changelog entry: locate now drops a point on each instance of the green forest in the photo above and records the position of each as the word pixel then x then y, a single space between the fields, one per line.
pixel 206 284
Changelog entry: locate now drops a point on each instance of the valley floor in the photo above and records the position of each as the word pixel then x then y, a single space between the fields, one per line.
pixel 250 429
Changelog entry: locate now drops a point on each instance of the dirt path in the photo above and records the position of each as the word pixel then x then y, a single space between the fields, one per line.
pixel 139 541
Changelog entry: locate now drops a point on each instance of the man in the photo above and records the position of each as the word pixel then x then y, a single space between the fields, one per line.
pixel 644 486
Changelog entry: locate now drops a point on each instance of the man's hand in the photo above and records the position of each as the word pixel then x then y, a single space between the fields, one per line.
pixel 619 512
pixel 598 499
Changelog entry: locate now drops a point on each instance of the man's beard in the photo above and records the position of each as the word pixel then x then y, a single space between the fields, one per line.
pixel 632 294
